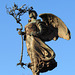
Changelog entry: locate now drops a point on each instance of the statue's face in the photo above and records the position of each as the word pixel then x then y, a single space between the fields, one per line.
pixel 32 15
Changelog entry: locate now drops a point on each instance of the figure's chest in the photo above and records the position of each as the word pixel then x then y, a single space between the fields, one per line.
pixel 31 27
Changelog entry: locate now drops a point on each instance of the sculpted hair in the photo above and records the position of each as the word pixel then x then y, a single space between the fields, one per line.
pixel 34 13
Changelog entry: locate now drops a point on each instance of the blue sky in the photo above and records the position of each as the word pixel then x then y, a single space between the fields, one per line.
pixel 10 41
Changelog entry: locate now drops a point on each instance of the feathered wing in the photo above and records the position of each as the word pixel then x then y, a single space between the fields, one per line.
pixel 56 23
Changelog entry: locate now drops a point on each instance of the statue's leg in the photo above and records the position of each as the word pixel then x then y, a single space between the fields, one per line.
pixel 35 61
pixel 31 52
pixel 34 73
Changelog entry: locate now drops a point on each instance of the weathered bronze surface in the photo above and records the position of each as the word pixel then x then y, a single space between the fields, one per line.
pixel 36 33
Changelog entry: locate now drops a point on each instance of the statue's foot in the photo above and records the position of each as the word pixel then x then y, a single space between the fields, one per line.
pixel 34 73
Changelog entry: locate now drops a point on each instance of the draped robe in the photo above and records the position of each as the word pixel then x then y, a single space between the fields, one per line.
pixel 41 55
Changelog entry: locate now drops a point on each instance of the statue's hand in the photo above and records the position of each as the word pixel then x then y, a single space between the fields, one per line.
pixel 20 32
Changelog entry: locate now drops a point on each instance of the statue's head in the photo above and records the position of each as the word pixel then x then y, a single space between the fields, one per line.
pixel 32 14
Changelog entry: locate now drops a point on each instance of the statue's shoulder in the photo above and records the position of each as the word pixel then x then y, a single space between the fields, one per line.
pixel 27 25
pixel 37 22
pixel 40 22
pixel 30 23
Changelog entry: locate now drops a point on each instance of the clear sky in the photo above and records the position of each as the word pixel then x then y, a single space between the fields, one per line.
pixel 10 41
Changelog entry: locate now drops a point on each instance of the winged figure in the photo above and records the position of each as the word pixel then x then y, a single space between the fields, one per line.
pixel 36 33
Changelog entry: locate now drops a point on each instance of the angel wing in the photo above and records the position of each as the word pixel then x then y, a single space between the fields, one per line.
pixel 57 25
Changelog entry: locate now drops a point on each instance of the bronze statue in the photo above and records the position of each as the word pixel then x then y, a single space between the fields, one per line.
pixel 36 33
